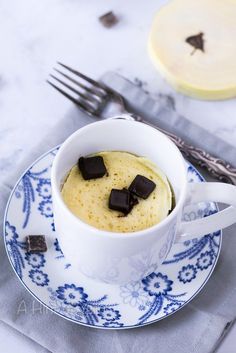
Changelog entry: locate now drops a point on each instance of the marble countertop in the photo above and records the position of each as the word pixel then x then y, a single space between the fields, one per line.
pixel 36 34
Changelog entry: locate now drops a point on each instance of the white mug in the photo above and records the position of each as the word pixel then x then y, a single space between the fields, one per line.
pixel 113 257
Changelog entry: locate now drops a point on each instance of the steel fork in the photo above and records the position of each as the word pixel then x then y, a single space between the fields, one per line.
pixel 100 101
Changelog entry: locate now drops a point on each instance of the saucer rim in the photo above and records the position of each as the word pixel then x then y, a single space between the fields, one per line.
pixel 114 285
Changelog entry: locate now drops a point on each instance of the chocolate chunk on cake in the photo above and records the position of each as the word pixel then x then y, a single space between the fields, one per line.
pixel 119 200
pixel 122 200
pixel 92 167
pixel 142 186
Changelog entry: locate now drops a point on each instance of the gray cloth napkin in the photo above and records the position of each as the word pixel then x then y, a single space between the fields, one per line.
pixel 197 328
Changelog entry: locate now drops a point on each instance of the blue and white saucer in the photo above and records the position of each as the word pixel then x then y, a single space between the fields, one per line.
pixel 51 280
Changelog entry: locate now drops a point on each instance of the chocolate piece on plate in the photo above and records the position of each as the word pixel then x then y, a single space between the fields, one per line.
pixel 92 167
pixel 36 243
pixel 108 19
pixel 142 186
pixel 196 41
pixel 122 200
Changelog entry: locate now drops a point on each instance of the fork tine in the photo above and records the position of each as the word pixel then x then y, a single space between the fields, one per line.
pixel 86 78
pixel 84 107
pixel 96 93
pixel 86 98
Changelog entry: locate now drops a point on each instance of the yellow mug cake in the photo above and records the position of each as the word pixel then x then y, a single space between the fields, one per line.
pixel 100 199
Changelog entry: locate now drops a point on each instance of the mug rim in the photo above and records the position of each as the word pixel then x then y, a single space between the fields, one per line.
pixel 105 233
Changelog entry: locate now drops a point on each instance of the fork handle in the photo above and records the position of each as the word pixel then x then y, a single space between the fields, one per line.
pixel 218 168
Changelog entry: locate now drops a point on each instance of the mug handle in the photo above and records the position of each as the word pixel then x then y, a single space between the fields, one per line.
pixel 218 192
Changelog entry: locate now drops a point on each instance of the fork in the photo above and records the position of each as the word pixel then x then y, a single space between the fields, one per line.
pixel 100 101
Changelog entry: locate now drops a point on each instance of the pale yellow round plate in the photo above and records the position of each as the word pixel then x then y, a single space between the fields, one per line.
pixel 207 73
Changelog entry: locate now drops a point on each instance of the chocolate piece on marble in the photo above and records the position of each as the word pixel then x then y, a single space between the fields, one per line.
pixel 108 19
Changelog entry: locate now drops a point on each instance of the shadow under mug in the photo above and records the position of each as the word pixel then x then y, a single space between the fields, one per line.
pixel 113 257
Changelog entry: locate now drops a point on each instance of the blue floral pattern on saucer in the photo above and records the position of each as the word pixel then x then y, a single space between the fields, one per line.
pixel 51 279
pixel 38 277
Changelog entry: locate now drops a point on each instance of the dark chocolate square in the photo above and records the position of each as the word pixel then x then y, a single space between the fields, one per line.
pixel 92 167
pixel 120 200
pixel 142 186
pixel 108 19
pixel 36 243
